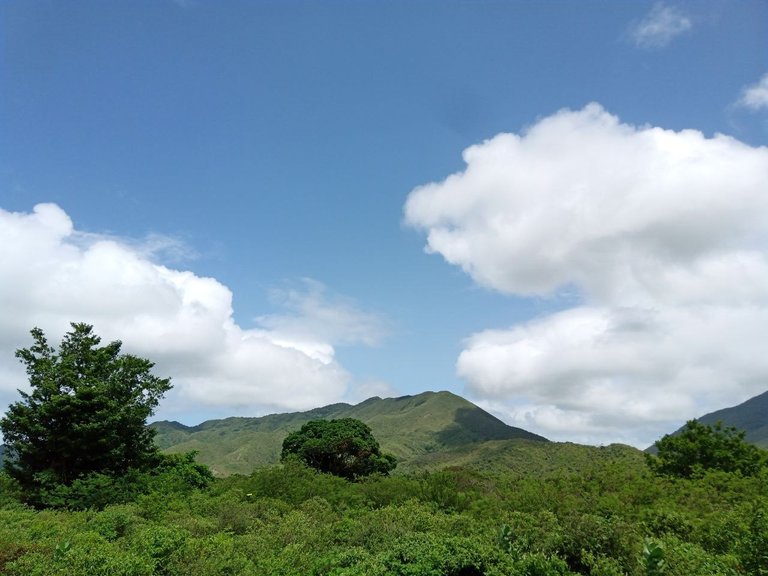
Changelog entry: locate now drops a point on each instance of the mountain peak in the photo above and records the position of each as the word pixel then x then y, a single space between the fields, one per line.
pixel 407 426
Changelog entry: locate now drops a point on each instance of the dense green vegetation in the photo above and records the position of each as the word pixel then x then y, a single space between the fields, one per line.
pixel 608 517
pixel 749 417
pixel 344 447
pixel 698 447
pixel 84 423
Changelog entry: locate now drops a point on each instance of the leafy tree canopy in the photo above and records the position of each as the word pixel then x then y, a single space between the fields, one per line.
pixel 86 414
pixel 344 447
pixel 700 447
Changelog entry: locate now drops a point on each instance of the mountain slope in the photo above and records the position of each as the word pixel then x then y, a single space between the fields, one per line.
pixel 750 416
pixel 409 427
pixel 530 458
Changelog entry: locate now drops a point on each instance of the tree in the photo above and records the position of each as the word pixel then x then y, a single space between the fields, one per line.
pixel 344 447
pixel 85 416
pixel 699 447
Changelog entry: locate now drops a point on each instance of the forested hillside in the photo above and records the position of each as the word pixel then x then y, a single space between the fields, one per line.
pixel 750 416
pixel 426 430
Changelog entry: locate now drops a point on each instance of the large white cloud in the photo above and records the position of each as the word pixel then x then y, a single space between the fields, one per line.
pixel 663 237
pixel 53 275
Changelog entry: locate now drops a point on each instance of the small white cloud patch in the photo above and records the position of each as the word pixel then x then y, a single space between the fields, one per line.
pixel 660 26
pixel 313 314
pixel 755 97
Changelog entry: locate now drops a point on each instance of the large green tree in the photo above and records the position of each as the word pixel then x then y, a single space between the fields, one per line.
pixel 698 447
pixel 344 447
pixel 86 413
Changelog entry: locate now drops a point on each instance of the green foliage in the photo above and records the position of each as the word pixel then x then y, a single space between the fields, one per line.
pixel 214 555
pixel 754 545
pixel 653 558
pixel 114 522
pixel 683 558
pixel 609 517
pixel 158 543
pixel 344 448
pixel 91 491
pixel 180 473
pixel 587 536
pixel 9 490
pixel 699 447
pixel 85 554
pixel 427 554
pixel 294 483
pixel 448 489
pixel 84 422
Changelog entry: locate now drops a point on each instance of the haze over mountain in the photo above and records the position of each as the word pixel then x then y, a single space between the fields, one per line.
pixel 420 430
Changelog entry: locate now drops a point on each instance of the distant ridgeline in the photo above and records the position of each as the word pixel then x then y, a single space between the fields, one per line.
pixel 750 416
pixel 429 430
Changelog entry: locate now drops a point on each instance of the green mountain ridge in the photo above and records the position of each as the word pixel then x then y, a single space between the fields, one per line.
pixel 427 430
pixel 750 416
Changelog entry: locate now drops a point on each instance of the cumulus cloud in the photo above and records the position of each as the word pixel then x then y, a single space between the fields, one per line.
pixel 755 97
pixel 54 274
pixel 659 27
pixel 662 235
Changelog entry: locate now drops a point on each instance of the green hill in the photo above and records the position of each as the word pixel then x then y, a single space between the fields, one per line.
pixel 526 458
pixel 750 416
pixel 432 429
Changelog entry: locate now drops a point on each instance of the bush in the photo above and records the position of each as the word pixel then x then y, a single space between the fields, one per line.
pixel 115 522
pixel 86 554
pixel 698 447
pixel 428 554
pixel 344 447
pixel 84 419
pixel 753 549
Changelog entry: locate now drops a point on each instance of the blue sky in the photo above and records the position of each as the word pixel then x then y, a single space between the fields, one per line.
pixel 293 156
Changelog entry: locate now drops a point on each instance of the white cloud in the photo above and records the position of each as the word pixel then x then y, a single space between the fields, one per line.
pixel 54 274
pixel 620 374
pixel 663 234
pixel 314 319
pixel 584 199
pixel 755 97
pixel 659 27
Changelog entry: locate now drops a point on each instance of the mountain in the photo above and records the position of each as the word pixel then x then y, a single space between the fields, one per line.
pixel 750 416
pixel 432 429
